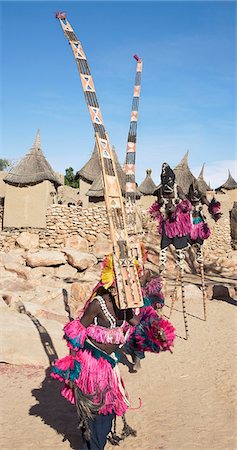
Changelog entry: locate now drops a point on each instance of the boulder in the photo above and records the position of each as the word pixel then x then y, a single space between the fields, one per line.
pixel 15 285
pixel 6 275
pixel 15 256
pixel 77 242
pixel 28 240
pixel 65 271
pixel 19 269
pixel 102 247
pixel 221 292
pixel 80 260
pixel 14 302
pixel 39 272
pixel 45 258
pixel 91 275
pixel 80 292
pixel 26 340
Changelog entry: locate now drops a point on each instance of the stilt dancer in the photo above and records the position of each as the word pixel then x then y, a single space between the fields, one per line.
pixel 172 212
pixel 200 230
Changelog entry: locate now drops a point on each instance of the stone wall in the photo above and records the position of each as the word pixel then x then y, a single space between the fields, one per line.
pixel 62 222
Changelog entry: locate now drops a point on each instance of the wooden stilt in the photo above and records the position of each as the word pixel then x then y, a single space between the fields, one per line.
pixel 174 293
pixel 204 295
pixel 183 302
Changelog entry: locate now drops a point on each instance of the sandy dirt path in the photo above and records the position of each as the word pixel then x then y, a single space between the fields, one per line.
pixel 188 397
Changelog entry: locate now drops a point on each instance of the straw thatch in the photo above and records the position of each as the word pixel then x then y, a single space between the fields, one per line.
pixel 32 169
pixel 91 169
pixel 147 186
pixel 203 186
pixel 97 187
pixel 229 184
pixel 96 190
pixel 183 174
pixel 91 173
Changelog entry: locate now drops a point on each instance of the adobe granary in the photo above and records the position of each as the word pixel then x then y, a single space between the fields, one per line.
pixel 31 186
pixel 147 186
pixel 228 188
pixel 91 182
pixel 229 184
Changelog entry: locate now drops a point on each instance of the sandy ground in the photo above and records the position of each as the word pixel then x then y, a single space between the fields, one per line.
pixel 188 397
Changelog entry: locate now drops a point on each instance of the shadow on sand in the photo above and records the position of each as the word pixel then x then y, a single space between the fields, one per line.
pixel 57 412
pixel 52 408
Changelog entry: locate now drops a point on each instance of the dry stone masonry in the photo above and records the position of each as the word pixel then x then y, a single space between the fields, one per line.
pixel 62 222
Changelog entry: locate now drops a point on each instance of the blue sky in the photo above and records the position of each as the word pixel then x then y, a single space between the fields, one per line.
pixel 188 97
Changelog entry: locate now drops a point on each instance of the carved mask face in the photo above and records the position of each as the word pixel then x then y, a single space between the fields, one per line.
pixel 167 178
pixel 194 194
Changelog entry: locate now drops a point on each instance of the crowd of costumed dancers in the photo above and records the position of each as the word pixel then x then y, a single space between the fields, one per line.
pixel 124 311
pixel 181 223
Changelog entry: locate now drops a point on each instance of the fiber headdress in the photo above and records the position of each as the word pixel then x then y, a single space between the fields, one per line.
pixel 107 276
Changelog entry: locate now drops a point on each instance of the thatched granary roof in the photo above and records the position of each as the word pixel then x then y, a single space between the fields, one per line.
pixel 97 187
pixel 229 184
pixel 91 169
pixel 91 172
pixel 147 186
pixel 203 186
pixel 183 174
pixel 32 169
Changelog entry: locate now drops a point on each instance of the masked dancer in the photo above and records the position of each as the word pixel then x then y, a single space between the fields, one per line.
pixel 200 230
pixel 172 213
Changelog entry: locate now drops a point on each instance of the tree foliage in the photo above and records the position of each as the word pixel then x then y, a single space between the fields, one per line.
pixel 69 178
pixel 5 164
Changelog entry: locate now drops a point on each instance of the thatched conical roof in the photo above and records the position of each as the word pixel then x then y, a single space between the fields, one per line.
pixel 97 187
pixel 229 184
pixel 91 173
pixel 32 169
pixel 203 186
pixel 91 169
pixel 183 174
pixel 147 186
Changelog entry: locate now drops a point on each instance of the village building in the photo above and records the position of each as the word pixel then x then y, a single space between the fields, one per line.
pixel 146 188
pixel 30 187
pixel 91 182
pixel 229 188
pixel 34 199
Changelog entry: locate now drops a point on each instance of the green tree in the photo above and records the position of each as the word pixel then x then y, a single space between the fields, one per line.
pixel 5 164
pixel 69 178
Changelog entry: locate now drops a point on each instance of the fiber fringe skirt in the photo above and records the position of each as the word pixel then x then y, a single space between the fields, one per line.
pixel 94 372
